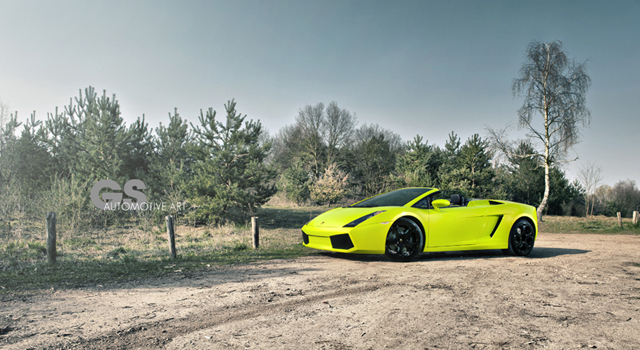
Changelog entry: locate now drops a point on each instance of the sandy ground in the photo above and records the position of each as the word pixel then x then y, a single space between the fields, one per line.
pixel 573 291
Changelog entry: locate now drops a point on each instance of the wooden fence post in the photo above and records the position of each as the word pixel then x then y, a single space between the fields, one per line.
pixel 51 237
pixel 256 232
pixel 620 219
pixel 635 217
pixel 172 236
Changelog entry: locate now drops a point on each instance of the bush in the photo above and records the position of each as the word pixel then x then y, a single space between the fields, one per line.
pixel 331 187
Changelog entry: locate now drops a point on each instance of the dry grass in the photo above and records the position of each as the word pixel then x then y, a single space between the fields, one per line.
pixel 592 224
pixel 137 251
pixel 118 254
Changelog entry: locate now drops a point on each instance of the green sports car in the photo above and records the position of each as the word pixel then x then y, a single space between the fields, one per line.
pixel 404 223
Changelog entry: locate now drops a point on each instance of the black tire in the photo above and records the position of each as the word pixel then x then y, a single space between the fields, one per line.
pixel 521 238
pixel 405 240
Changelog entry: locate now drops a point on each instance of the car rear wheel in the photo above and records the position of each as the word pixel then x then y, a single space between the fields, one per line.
pixel 521 238
pixel 405 240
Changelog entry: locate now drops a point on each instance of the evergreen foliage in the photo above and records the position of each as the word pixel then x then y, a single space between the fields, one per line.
pixel 419 165
pixel 31 162
pixel 230 177
pixel 295 181
pixel 526 181
pixel 102 136
pixel 171 164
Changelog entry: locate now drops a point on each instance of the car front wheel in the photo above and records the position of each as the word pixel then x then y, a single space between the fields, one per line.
pixel 405 240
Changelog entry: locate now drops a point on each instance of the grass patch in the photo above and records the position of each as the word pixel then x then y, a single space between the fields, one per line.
pixel 79 242
pixel 102 257
pixel 592 224
pixel 127 267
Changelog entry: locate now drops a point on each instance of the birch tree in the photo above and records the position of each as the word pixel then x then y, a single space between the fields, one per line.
pixel 554 88
pixel 590 176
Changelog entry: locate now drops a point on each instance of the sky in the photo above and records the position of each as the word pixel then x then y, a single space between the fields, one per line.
pixel 415 67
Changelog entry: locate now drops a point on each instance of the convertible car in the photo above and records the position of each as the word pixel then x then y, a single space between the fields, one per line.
pixel 404 223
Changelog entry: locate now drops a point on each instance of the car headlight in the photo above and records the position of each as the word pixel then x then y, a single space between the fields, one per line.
pixel 356 222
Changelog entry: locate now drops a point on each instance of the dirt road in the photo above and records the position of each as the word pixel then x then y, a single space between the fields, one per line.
pixel 574 291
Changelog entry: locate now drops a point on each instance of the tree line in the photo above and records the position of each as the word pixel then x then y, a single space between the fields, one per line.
pixel 369 160
pixel 216 169
pixel 223 168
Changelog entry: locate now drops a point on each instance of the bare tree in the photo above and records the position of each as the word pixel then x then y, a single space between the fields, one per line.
pixel 339 126
pixel 323 132
pixel 554 89
pixel 590 176
pixel 368 131
pixel 310 119
pixel 4 119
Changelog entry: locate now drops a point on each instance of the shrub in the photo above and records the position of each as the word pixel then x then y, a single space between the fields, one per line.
pixel 331 187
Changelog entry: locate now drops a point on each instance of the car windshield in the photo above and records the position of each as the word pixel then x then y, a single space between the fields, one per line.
pixel 395 198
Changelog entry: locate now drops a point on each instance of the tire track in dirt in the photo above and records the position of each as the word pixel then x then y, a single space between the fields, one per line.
pixel 155 335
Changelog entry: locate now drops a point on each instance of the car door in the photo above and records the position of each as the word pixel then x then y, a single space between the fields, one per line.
pixel 455 225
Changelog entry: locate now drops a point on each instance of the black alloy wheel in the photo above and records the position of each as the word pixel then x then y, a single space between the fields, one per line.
pixel 521 238
pixel 405 240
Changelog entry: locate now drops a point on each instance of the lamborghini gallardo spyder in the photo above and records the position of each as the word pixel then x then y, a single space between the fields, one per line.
pixel 404 223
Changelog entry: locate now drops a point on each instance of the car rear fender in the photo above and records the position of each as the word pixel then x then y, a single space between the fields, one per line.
pixel 532 220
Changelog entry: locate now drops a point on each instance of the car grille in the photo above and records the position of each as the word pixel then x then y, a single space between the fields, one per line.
pixel 341 241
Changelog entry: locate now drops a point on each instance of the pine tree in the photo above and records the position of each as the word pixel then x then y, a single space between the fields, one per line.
pixel 102 137
pixel 525 183
pixel 230 176
pixel 419 165
pixel 450 170
pixel 295 181
pixel 171 162
pixel 25 161
pixel 475 162
pixel 467 170
pixel 32 162
pixel 8 143
pixel 136 158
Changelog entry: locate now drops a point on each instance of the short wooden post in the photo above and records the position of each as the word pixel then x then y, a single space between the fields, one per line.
pixel 51 237
pixel 620 219
pixel 256 232
pixel 635 217
pixel 172 236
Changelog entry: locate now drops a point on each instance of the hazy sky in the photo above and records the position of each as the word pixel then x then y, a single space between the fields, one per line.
pixel 415 67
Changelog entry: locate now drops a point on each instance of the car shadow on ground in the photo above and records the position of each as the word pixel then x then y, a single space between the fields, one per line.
pixel 537 253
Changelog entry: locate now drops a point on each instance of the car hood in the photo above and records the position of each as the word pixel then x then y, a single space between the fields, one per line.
pixel 339 217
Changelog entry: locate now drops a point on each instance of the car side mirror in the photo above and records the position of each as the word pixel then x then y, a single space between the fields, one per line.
pixel 439 203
